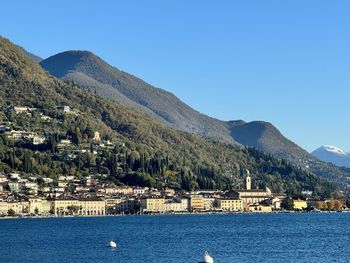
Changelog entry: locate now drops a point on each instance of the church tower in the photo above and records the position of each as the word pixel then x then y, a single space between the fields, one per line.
pixel 248 181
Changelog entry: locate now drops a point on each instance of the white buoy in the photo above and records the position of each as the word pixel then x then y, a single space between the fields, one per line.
pixel 112 244
pixel 207 258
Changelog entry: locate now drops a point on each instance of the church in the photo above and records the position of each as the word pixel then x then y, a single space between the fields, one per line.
pixel 249 195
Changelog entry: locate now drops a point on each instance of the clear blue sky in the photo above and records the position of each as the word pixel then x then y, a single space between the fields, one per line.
pixel 287 62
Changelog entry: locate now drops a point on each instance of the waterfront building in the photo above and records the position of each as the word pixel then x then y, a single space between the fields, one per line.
pixel 254 196
pixel 185 203
pixel 171 205
pixel 176 205
pixel 38 205
pixel 209 203
pixel 35 205
pixel 63 205
pixel 92 207
pixel 128 205
pixel 18 206
pixel 230 205
pixel 120 205
pixel 152 205
pixel 249 195
pixel 299 204
pixel 111 204
pixel 3 208
pixel 197 203
pixel 46 207
pixel 275 202
pixel 259 208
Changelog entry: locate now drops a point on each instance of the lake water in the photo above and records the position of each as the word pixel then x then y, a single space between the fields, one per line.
pixel 318 237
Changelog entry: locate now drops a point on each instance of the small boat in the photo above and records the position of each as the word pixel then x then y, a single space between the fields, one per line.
pixel 207 258
pixel 112 244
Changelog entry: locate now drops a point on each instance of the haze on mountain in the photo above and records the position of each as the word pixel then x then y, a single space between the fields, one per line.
pixel 333 154
pixel 23 82
pixel 95 75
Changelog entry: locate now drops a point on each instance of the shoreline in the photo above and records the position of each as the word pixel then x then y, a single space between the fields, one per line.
pixel 173 214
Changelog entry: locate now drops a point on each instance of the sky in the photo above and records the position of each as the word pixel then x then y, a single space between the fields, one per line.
pixel 286 62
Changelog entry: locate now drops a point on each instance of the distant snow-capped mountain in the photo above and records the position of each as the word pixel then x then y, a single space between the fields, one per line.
pixel 333 155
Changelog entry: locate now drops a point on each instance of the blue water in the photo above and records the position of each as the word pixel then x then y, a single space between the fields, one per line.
pixel 180 239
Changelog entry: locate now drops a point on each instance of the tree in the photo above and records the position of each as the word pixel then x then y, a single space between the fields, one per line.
pixel 11 212
pixel 320 205
pixel 89 132
pixel 27 163
pixel 73 209
pixel 338 205
pixel 52 144
pixel 113 164
pixel 348 202
pixel 76 136
pixel 330 205
pixel 287 204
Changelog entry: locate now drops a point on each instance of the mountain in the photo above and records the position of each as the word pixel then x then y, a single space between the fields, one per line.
pixel 95 75
pixel 264 135
pixel 333 155
pixel 91 72
pixel 151 153
pixel 36 58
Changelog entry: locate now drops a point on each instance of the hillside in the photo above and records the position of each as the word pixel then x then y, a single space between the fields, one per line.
pixel 95 75
pixel 153 153
pixel 91 72
pixel 31 55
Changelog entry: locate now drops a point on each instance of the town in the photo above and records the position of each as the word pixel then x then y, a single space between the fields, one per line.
pixel 22 196
pixel 120 183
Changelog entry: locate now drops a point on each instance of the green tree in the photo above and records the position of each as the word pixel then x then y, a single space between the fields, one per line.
pixel 89 132
pixel 52 144
pixel 27 163
pixel 11 212
pixel 287 204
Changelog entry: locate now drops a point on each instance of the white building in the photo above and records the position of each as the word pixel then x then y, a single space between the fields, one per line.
pixel 38 140
pixel 140 190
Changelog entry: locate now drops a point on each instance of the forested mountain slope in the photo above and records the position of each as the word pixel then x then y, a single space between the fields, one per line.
pixel 96 76
pixel 154 153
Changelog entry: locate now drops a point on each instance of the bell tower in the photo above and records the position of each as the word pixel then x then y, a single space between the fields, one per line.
pixel 248 181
